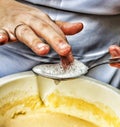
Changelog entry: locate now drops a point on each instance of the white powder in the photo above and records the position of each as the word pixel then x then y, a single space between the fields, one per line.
pixel 56 71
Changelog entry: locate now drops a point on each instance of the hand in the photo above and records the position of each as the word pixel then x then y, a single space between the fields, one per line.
pixel 28 24
pixel 115 52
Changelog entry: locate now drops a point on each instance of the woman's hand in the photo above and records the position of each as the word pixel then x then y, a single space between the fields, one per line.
pixel 115 52
pixel 28 25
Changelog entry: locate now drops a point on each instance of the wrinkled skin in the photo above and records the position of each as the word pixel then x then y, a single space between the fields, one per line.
pixel 36 24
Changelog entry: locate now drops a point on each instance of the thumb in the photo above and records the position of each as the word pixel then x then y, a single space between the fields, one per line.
pixel 114 50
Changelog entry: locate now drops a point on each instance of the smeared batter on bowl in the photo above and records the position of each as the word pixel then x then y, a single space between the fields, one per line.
pixel 56 111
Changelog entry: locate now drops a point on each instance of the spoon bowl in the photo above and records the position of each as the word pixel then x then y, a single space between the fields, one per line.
pixel 76 69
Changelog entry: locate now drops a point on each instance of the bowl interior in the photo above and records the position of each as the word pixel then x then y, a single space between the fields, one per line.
pixel 24 96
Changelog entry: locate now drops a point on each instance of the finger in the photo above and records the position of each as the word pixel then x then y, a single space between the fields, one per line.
pixel 44 30
pixel 114 50
pixel 69 28
pixel 67 60
pixel 49 21
pixel 60 26
pixel 26 35
pixel 115 65
pixel 3 36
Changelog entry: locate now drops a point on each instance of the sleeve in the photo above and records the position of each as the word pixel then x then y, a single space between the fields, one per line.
pixel 99 7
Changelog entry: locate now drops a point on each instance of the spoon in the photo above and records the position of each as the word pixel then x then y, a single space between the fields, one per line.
pixel 76 69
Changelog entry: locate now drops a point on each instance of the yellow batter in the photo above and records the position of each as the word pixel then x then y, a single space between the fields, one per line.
pixel 56 111
pixel 23 103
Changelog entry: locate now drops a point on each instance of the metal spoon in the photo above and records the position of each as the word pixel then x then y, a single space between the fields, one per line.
pixel 108 61
pixel 56 71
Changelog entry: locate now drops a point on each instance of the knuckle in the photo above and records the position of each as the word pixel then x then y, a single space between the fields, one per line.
pixel 44 25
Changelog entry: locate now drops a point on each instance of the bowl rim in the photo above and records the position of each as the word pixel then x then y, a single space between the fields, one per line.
pixel 20 75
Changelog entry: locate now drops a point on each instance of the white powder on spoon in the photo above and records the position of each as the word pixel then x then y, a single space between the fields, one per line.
pixel 56 71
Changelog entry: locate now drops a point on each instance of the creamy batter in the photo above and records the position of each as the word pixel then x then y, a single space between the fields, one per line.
pixel 38 102
pixel 56 111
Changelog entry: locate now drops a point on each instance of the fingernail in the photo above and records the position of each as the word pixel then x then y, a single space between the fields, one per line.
pixel 64 49
pixel 41 45
pixel 63 46
pixel 43 48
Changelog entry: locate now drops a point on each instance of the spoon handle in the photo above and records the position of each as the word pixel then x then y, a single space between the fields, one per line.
pixel 109 61
pixel 114 60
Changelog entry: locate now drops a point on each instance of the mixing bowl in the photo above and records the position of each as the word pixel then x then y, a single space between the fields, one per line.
pixel 28 100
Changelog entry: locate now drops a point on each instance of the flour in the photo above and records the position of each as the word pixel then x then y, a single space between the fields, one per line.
pixel 56 71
